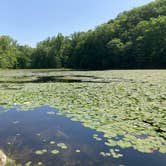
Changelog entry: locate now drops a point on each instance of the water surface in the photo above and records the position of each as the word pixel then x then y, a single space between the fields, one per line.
pixel 23 133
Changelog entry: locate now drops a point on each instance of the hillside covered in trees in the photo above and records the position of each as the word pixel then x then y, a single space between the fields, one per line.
pixel 135 39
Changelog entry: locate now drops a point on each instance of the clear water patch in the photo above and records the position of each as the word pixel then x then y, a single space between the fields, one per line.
pixel 42 137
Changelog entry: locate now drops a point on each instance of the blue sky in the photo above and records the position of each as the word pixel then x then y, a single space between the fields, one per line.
pixel 30 21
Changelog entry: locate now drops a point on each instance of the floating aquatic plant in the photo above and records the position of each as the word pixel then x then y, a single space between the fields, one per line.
pixel 96 137
pixel 39 163
pixel 40 152
pixel 112 153
pixel 119 103
pixel 62 145
pixel 29 163
pixel 55 152
pixel 52 142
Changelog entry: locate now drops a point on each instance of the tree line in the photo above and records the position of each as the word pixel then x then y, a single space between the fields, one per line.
pixel 134 39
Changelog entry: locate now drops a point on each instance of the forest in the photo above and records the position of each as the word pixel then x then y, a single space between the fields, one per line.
pixel 69 100
pixel 135 39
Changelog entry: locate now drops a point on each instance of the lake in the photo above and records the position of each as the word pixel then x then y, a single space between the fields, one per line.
pixel 42 137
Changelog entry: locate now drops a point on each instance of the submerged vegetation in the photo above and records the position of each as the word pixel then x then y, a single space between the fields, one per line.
pixel 128 107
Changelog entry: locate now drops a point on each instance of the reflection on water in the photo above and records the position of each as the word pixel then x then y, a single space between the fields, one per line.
pixel 23 133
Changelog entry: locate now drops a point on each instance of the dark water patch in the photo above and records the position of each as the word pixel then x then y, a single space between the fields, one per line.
pixel 61 78
pixel 23 133
pixel 55 79
pixel 157 128
pixel 85 76
pixel 142 136
pixel 71 79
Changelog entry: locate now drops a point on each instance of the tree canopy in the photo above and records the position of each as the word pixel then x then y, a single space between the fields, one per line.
pixel 135 39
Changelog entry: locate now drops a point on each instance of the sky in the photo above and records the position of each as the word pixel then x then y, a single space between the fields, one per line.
pixel 30 21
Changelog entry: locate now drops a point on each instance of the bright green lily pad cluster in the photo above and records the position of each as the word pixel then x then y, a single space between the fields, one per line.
pixel 40 152
pixel 54 151
pixel 62 145
pixel 52 142
pixel 129 107
pixel 96 137
pixel 112 153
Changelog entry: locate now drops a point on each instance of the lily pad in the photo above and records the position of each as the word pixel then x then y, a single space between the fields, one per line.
pixel 55 152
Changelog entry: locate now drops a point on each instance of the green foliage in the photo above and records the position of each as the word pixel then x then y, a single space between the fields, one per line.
pixel 51 53
pixel 12 55
pixel 8 52
pixel 135 39
pixel 25 57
